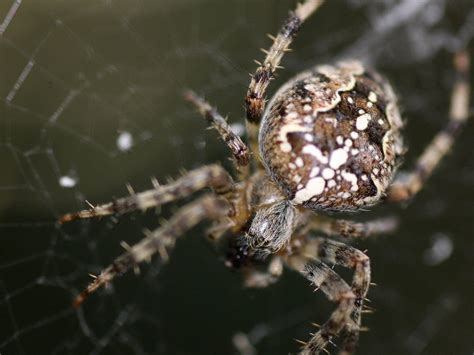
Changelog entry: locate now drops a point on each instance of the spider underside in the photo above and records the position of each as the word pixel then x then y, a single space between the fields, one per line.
pixel 329 140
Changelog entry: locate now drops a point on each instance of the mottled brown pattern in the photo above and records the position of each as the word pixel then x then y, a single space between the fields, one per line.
pixel 326 104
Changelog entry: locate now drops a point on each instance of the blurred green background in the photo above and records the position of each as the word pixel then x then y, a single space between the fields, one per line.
pixel 90 100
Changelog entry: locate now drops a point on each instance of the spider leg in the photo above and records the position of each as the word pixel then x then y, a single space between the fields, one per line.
pixel 336 289
pixel 234 142
pixel 337 253
pixel 351 229
pixel 406 187
pixel 213 176
pixel 258 279
pixel 255 98
pixel 206 207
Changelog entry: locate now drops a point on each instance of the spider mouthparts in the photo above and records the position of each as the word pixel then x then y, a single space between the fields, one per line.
pixel 301 342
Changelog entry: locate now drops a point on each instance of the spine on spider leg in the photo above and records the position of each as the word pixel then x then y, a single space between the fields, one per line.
pixel 233 141
pixel 207 176
pixel 337 253
pixel 97 211
pixel 119 206
pixel 206 207
pixel 255 100
pixel 338 291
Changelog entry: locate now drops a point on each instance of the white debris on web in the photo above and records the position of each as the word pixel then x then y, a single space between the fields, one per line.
pixel 68 181
pixel 440 250
pixel 125 141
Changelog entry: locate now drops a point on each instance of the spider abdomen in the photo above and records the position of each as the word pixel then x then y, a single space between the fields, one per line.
pixel 330 137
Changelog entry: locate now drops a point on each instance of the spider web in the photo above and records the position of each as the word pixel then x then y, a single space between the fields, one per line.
pixel 90 100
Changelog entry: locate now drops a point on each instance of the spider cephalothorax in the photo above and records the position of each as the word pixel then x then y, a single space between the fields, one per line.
pixel 330 137
pixel 329 140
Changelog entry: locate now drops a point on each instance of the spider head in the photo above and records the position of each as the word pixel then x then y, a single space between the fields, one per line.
pixel 330 137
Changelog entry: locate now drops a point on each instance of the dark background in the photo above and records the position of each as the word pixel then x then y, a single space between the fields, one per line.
pixel 106 69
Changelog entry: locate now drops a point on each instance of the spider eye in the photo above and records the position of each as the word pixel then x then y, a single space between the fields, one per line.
pixel 330 137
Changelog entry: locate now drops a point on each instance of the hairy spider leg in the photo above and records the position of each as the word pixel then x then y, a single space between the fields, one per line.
pixel 206 207
pixel 238 148
pixel 407 186
pixel 336 253
pixel 213 176
pixel 255 98
pixel 336 289
pixel 350 229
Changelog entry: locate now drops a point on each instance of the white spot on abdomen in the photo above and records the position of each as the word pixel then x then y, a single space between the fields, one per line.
pixel 372 96
pixel 362 121
pixel 314 172
pixel 328 173
pixel 312 150
pixel 285 146
pixel 313 187
pixel 352 179
pixel 338 157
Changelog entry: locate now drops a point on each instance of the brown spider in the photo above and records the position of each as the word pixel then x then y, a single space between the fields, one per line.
pixel 329 140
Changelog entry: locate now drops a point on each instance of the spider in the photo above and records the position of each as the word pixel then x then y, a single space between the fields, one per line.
pixel 328 141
